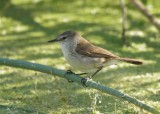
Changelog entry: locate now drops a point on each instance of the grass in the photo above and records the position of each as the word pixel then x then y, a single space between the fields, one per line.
pixel 26 26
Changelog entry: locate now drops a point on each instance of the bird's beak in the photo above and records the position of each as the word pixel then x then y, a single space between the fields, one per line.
pixel 54 40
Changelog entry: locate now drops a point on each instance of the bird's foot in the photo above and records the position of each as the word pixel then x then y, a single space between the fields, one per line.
pixel 70 72
pixel 84 81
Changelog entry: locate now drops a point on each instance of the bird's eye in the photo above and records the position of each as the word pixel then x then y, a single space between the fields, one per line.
pixel 64 37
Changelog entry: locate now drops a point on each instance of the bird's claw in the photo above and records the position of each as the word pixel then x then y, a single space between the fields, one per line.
pixel 70 72
pixel 84 81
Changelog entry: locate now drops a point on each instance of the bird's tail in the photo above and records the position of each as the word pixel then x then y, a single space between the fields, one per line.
pixel 132 61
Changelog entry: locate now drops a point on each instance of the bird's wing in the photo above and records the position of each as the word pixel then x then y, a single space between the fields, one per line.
pixel 86 48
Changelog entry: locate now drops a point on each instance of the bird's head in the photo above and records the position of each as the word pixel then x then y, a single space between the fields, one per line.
pixel 66 36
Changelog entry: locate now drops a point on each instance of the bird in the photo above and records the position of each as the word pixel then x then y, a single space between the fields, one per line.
pixel 86 57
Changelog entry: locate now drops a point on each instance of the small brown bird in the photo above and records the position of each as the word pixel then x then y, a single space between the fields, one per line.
pixel 86 57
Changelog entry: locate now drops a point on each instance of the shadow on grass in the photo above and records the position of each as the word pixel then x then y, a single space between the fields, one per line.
pixel 8 108
pixel 64 95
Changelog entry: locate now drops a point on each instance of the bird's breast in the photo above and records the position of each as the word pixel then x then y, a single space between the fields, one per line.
pixel 77 61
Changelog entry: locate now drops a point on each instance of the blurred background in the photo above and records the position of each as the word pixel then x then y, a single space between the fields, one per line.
pixel 126 28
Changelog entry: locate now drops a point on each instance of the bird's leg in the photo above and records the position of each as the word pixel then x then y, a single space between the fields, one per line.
pixel 91 76
pixel 81 73
pixel 84 80
pixel 70 72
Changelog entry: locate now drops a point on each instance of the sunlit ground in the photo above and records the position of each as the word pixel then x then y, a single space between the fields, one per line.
pixel 27 25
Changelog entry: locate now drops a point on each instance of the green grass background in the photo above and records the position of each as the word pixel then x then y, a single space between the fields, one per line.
pixel 27 25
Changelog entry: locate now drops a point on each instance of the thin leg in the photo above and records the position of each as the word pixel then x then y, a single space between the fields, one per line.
pixel 91 76
pixel 84 80
pixel 81 73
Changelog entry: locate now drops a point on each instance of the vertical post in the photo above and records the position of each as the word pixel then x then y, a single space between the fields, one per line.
pixel 123 8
